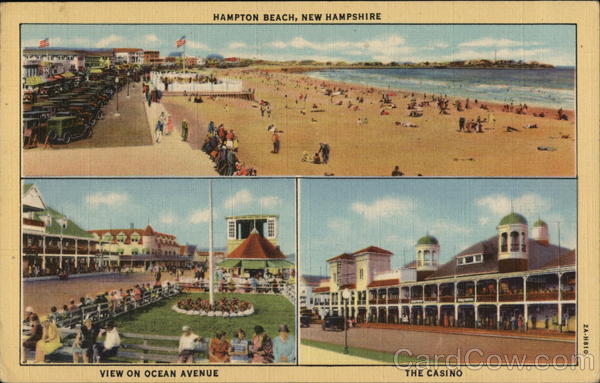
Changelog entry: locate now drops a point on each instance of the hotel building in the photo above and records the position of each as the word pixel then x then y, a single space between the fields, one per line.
pixel 491 284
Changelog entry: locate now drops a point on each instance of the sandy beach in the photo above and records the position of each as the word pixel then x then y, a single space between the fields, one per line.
pixel 434 148
pixel 125 146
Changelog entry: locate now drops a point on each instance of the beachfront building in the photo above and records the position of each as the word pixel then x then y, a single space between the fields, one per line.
pixel 241 226
pixel 306 285
pixel 508 281
pixel 52 242
pixel 139 248
pixel 256 256
pixel 128 56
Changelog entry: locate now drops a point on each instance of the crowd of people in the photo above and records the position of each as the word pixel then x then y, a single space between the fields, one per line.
pixel 260 349
pixel 222 147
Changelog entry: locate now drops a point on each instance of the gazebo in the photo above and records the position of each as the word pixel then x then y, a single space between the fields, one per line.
pixel 256 255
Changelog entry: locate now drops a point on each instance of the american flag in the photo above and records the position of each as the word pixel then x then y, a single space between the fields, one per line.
pixel 44 43
pixel 180 42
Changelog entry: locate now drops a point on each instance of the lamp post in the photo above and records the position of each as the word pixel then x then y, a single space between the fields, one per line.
pixel 117 114
pixel 346 297
pixel 127 84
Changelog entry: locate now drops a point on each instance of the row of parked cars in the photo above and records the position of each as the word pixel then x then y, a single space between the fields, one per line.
pixel 69 115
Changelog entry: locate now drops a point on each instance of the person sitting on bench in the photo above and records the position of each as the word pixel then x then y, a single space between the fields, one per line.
pixel 112 342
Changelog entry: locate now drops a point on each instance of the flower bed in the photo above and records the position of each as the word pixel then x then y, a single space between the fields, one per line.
pixel 222 308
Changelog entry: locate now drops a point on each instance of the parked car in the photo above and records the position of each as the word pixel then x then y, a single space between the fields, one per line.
pixel 67 128
pixel 305 320
pixel 335 323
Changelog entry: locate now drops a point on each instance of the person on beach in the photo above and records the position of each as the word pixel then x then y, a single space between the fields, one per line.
pixel 184 130
pixel 461 124
pixel 396 172
pixel 276 142
pixel 324 151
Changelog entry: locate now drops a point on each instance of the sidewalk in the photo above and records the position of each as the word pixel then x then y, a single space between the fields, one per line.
pixel 172 157
pixel 315 355
pixel 531 334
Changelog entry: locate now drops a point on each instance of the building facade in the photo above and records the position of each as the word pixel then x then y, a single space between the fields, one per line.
pixel 240 227
pixel 51 241
pixel 507 281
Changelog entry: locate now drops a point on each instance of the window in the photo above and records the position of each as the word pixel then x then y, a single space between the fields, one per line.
pixel 271 228
pixel 231 229
pixel 469 259
pixel 362 271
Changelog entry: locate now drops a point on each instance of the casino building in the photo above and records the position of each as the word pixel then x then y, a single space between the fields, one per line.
pixel 514 279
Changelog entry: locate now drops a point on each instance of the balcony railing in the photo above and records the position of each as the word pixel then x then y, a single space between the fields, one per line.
pixel 393 300
pixel 511 297
pixel 32 249
pixel 372 301
pixel 446 298
pixel 381 301
pixel 542 296
pixel 486 297
pixel 567 295
pixel 405 300
pixel 431 299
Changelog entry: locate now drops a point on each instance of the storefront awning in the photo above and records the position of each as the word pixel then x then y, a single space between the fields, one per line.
pixel 34 80
pixel 229 263
pixel 280 264
pixel 253 264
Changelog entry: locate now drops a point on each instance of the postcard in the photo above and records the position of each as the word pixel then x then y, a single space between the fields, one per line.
pixel 299 191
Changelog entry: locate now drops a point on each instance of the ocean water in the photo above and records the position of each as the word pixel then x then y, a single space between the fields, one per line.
pixel 553 87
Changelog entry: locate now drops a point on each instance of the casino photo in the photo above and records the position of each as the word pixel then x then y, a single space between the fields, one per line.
pixel 515 280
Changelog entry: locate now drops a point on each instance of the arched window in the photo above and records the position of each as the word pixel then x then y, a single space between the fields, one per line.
pixel 426 257
pixel 524 242
pixel 514 241
pixel 503 242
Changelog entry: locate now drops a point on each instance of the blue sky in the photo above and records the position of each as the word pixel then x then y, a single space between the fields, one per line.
pixel 174 206
pixel 554 44
pixel 347 215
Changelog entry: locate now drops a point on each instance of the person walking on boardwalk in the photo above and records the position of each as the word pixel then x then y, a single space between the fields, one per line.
pixel 276 142
pixel 159 130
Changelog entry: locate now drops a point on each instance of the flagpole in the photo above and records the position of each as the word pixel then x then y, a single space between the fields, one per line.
pixel 211 291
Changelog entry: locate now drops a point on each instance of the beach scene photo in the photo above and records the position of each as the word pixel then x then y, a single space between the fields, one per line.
pixel 293 100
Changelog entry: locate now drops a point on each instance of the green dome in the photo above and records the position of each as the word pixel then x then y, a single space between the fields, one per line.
pixel 513 218
pixel 427 240
pixel 540 223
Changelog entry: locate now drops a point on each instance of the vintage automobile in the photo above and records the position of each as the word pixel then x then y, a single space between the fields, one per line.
pixel 67 128
pixel 31 132
pixel 88 112
pixel 335 323
pixel 42 115
pixel 50 107
pixel 305 320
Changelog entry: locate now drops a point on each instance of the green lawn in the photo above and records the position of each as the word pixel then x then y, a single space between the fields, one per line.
pixel 269 311
pixel 360 352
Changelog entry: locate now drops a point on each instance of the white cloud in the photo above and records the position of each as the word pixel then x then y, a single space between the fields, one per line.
pixel 242 197
pixel 199 216
pixel 442 226
pixel 527 204
pixel 237 45
pixel 168 218
pixel 107 198
pixel 269 202
pixel 152 38
pixel 493 42
pixel 383 208
pixel 337 224
pixel 105 42
pixel 196 45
